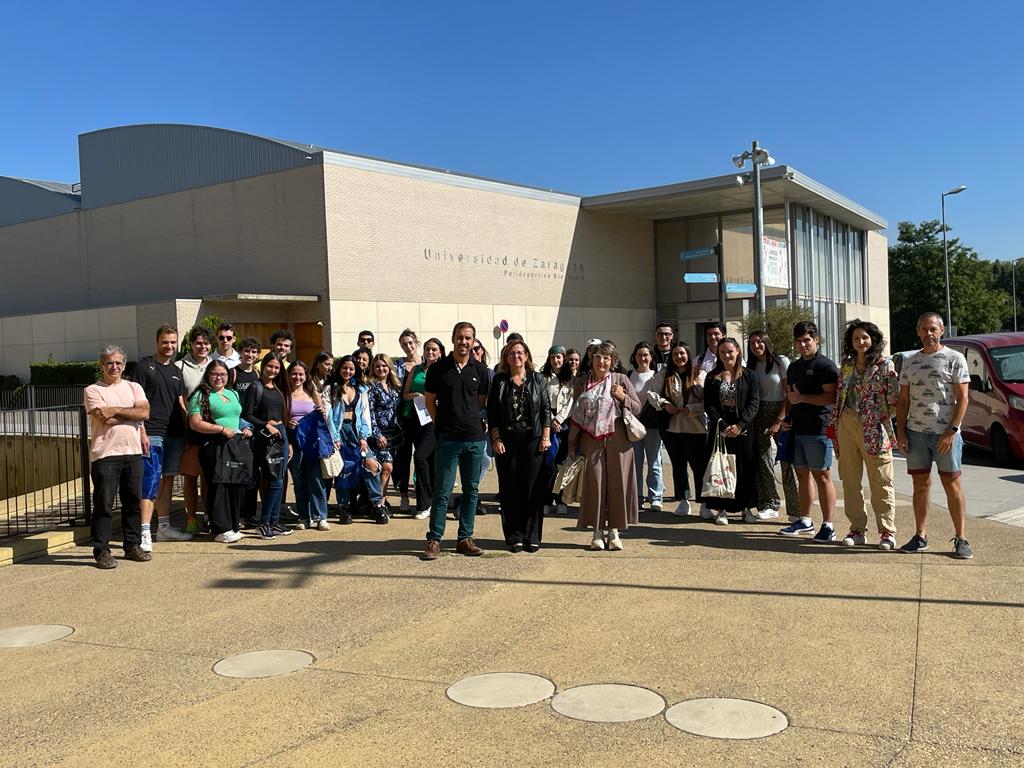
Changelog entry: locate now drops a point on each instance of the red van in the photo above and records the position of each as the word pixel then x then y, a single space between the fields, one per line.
pixel 995 414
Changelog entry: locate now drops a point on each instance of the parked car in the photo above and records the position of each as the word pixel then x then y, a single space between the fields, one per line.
pixel 995 411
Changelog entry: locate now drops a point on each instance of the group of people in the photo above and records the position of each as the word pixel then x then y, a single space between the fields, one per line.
pixel 237 428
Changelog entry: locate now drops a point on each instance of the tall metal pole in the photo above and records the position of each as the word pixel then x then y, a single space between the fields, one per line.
pixel 945 258
pixel 721 282
pixel 1013 271
pixel 758 231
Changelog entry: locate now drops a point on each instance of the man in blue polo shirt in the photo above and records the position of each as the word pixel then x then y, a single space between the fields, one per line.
pixel 812 387
pixel 456 391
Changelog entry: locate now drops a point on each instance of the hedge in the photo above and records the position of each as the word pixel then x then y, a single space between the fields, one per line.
pixel 53 373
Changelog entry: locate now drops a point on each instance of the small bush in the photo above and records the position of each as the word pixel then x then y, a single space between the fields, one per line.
pixel 52 373
pixel 777 322
pixel 10 382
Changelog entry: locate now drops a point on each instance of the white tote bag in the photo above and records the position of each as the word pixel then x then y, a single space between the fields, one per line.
pixel 720 476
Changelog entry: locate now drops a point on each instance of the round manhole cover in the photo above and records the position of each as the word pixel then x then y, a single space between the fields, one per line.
pixel 263 663
pixel 33 634
pixel 499 690
pixel 727 718
pixel 608 703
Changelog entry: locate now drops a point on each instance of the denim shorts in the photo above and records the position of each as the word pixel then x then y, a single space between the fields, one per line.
pixel 922 450
pixel 813 452
pixel 152 468
pixel 173 448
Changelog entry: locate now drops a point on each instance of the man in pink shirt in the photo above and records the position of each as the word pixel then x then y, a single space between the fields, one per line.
pixel 116 411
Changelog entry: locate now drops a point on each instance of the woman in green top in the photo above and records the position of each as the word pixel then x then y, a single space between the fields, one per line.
pixel 421 435
pixel 215 413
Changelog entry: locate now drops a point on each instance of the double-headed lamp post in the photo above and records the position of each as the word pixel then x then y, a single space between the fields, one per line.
pixel 758 156
pixel 945 257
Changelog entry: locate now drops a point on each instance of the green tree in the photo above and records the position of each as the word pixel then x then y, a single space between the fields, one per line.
pixel 917 284
pixel 777 322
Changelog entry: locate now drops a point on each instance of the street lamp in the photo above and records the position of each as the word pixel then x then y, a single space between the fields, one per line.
pixel 945 257
pixel 758 156
pixel 1013 273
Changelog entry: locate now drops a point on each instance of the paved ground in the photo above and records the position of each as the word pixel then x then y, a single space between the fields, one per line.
pixel 877 659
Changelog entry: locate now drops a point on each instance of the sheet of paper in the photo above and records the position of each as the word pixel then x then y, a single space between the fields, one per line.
pixel 421 411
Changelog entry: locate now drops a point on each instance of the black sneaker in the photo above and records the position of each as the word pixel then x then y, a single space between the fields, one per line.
pixel 281 530
pixel 345 516
pixel 381 515
pixel 916 544
pixel 289 514
pixel 961 549
pixel 265 532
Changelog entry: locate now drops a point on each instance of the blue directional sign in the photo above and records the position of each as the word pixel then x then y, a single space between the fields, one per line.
pixel 700 277
pixel 697 253
pixel 740 288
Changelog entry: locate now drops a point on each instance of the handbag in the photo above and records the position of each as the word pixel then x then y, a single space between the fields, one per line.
pixel 720 475
pixel 652 418
pixel 634 429
pixel 233 462
pixel 331 466
pixel 552 451
pixel 786 446
pixel 569 479
pixel 273 458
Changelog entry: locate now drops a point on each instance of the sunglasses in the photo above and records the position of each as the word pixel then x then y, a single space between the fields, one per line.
pixel 226 338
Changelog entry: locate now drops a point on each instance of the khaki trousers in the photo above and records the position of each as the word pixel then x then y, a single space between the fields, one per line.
pixel 853 460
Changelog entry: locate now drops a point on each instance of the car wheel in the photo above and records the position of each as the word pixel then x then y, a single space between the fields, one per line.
pixel 1001 447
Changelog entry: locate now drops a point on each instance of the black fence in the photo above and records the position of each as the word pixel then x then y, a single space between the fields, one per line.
pixel 44 460
pixel 32 396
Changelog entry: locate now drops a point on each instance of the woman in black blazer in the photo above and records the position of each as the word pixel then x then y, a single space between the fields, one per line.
pixel 519 416
pixel 731 399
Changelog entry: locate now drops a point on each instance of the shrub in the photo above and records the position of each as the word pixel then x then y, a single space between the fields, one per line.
pixel 52 373
pixel 777 322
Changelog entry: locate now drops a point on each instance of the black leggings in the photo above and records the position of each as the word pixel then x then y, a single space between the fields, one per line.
pixel 685 450
pixel 522 518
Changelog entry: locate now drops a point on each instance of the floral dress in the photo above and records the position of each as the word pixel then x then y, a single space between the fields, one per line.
pixel 384 418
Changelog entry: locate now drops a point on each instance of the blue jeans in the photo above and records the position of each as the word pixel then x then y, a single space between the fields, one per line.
pixel 310 489
pixel 650 447
pixel 468 456
pixel 270 512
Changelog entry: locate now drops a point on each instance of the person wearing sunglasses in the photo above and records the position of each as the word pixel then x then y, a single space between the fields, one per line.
pixel 225 351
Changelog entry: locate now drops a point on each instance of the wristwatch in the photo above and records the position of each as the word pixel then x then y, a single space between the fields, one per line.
pixel 955 427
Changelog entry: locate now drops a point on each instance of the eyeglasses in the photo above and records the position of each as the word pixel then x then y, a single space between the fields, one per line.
pixel 225 338
pixel 218 375
pixel 478 349
pixel 664 333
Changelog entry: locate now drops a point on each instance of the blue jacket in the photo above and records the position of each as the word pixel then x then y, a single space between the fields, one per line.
pixel 362 422
pixel 314 437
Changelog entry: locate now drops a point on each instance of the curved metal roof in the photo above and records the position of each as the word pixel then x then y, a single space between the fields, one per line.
pixel 136 161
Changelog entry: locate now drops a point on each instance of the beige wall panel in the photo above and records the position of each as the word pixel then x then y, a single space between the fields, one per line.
pixel 83 325
pixel 48 328
pixel 17 358
pixel 438 320
pixel 188 315
pixel 541 317
pixel 516 316
pixel 878 269
pixel 396 316
pixel 645 318
pixel 118 322
pixel 42 352
pixel 352 316
pixel 164 246
pixel 83 351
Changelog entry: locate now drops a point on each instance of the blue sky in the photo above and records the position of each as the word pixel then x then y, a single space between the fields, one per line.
pixel 888 103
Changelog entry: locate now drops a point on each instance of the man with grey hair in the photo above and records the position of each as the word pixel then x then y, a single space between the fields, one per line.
pixel 117 409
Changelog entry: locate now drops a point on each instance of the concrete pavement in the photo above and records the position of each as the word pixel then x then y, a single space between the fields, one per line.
pixel 877 659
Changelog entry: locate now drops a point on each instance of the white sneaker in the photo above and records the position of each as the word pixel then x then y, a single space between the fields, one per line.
pixel 614 542
pixel 598 542
pixel 301 526
pixel 228 537
pixel 722 519
pixel 323 525
pixel 749 516
pixel 146 545
pixel 705 513
pixel 656 506
pixel 561 509
pixel 683 510
pixel 767 514
pixel 422 514
pixel 172 534
pixel 404 505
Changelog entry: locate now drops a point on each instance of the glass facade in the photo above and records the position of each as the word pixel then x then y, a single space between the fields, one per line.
pixel 827 261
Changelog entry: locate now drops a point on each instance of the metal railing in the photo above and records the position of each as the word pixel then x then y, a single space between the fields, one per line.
pixel 33 396
pixel 44 456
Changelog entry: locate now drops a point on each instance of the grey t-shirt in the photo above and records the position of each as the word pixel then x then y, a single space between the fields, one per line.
pixel 931 379
pixel 771 383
